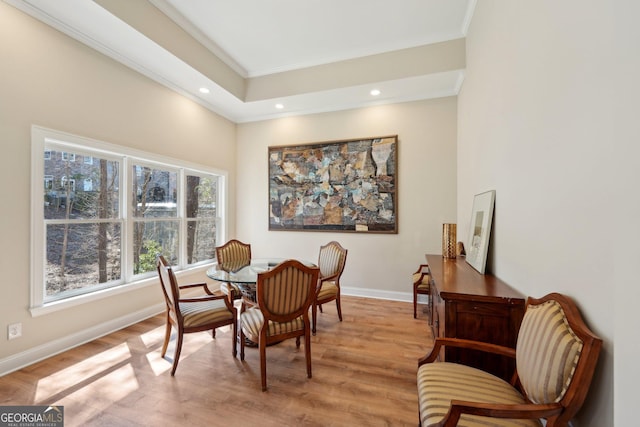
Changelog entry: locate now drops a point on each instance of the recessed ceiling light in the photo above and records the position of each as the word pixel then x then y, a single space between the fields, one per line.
pixel 375 92
pixel 279 106
pixel 204 90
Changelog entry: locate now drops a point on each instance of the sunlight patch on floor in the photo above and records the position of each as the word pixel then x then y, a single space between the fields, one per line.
pixel 81 372
pixel 112 387
pixel 158 364
pixel 191 343
pixel 153 337
pixel 99 396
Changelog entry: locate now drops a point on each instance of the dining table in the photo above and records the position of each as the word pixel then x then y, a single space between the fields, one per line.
pixel 244 274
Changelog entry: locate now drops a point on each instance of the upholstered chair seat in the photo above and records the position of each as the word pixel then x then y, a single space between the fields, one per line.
pixel 202 313
pixel 329 289
pixel 423 285
pixel 440 383
pixel 253 320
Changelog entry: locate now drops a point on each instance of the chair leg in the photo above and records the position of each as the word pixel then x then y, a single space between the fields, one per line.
pixel 262 344
pixel 167 337
pixel 176 356
pixel 307 351
pixel 415 302
pixel 339 307
pixel 241 343
pixel 314 315
pixel 234 339
pixel 213 333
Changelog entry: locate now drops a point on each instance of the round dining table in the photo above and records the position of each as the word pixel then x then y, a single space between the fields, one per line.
pixel 245 274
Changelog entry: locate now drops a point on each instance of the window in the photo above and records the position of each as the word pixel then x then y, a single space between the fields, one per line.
pixel 67 184
pixel 88 160
pixel 201 215
pixel 47 155
pixel 130 205
pixel 68 157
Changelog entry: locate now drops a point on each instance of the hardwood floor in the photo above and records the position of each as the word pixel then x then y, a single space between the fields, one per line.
pixel 364 374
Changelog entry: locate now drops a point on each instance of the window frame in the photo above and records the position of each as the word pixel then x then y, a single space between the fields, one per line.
pixel 43 137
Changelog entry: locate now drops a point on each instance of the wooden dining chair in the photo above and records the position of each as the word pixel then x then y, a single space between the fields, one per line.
pixel 192 314
pixel 331 261
pixel 234 254
pixel 284 295
pixel 421 285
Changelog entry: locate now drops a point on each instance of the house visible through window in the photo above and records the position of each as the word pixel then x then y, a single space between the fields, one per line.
pixel 98 236
pixel 68 157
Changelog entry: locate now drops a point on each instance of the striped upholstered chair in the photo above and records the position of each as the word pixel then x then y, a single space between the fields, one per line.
pixel 555 355
pixel 331 261
pixel 192 314
pixel 234 254
pixel 421 285
pixel 284 295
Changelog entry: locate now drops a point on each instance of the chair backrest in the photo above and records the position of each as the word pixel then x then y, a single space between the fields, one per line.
pixel 286 292
pixel 556 353
pixel 332 260
pixel 233 252
pixel 169 285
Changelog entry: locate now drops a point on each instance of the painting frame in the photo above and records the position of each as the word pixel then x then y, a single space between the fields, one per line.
pixel 480 230
pixel 347 185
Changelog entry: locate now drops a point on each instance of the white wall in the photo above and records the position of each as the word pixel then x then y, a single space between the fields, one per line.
pixel 48 79
pixel 626 174
pixel 537 122
pixel 377 264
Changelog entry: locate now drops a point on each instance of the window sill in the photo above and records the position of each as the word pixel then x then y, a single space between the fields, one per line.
pixel 66 303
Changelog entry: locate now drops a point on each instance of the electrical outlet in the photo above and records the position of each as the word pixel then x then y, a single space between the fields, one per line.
pixel 14 331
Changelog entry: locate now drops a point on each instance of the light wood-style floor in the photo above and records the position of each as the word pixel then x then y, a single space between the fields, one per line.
pixel 364 374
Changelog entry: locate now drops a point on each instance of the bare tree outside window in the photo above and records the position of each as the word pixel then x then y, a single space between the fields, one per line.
pixel 155 213
pixel 83 228
pixel 201 217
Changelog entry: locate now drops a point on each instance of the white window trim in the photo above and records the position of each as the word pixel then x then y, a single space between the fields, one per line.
pixel 41 135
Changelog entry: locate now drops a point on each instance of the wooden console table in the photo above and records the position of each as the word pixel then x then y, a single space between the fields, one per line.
pixel 466 304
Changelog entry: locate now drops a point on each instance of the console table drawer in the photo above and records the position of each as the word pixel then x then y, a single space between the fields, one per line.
pixel 480 309
pixel 475 306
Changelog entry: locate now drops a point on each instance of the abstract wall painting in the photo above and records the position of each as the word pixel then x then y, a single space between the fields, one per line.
pixel 338 186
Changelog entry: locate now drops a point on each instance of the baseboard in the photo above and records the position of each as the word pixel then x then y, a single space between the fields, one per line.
pixel 377 294
pixel 41 352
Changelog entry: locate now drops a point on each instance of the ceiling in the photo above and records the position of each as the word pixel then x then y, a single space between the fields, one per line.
pixel 307 55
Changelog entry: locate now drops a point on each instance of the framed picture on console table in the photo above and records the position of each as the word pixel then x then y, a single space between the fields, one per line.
pixel 348 186
pixel 480 230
